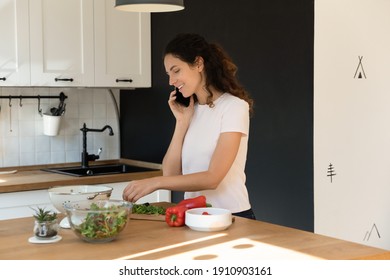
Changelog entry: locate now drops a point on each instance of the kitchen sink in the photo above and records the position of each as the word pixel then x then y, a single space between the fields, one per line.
pixel 96 170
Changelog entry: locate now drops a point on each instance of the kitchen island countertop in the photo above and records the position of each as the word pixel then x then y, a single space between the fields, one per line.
pixel 152 240
pixel 28 178
pixel 245 239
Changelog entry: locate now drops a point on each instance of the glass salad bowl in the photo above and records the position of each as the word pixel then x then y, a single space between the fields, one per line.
pixel 98 221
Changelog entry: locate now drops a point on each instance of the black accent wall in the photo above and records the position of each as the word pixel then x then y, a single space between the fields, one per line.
pixel 271 41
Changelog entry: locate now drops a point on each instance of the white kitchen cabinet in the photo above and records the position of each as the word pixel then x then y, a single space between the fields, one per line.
pixel 73 43
pixel 122 47
pixel 14 43
pixel 21 204
pixel 62 43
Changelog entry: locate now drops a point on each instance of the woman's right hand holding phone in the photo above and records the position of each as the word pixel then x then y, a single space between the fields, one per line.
pixel 181 112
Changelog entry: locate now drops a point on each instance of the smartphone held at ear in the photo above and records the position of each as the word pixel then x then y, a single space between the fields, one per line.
pixel 185 101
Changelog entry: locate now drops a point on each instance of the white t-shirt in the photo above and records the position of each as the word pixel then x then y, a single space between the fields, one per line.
pixel 230 114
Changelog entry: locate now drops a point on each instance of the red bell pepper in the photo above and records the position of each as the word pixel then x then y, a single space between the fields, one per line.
pixel 196 202
pixel 175 215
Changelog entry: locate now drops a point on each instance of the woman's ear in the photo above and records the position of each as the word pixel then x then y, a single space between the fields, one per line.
pixel 199 63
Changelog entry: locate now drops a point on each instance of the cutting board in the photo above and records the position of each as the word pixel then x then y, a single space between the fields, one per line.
pixel 160 218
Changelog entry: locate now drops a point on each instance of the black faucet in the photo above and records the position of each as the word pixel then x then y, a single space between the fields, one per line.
pixel 85 157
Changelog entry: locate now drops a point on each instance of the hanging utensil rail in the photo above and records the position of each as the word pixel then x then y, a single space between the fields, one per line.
pixel 61 96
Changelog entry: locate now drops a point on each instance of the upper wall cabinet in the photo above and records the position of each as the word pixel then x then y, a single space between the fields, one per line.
pixel 14 43
pixel 62 43
pixel 75 43
pixel 122 47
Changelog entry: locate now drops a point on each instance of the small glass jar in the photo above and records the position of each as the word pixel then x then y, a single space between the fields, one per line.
pixel 46 230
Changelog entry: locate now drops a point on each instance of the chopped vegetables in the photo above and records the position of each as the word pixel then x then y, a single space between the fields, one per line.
pixel 148 209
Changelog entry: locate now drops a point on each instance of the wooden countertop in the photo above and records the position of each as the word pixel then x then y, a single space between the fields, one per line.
pixel 152 240
pixel 33 178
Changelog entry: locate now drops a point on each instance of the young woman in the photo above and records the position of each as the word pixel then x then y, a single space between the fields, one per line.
pixel 208 150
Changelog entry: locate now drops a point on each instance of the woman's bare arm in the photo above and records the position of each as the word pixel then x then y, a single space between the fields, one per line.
pixel 221 161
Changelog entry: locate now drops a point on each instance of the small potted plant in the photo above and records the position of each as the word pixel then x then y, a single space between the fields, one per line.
pixel 46 223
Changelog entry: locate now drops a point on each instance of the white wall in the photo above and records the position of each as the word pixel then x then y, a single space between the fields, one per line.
pixel 352 120
pixel 27 145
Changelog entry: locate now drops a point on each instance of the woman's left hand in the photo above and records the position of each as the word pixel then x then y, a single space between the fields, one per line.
pixel 139 188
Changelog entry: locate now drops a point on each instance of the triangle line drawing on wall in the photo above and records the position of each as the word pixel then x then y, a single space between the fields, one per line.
pixel 368 233
pixel 360 70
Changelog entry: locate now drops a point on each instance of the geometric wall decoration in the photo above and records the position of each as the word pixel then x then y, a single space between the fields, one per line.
pixel 373 231
pixel 331 172
pixel 359 73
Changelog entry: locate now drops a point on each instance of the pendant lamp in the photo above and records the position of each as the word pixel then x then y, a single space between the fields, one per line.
pixel 151 6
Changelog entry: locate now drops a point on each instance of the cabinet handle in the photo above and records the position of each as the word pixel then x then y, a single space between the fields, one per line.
pixel 125 80
pixel 63 80
pixel 3 79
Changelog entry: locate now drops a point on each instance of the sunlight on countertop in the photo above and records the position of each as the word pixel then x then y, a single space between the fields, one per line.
pixel 165 248
pixel 242 249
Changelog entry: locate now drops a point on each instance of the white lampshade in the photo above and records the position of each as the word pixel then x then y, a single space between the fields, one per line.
pixel 151 6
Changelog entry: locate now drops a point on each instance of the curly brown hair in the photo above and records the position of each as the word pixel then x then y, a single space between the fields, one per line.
pixel 219 67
